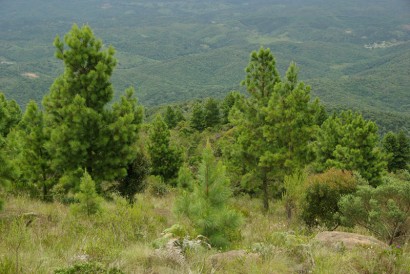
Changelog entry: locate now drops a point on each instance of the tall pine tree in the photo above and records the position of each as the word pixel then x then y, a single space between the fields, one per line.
pixel 165 158
pixel 34 159
pixel 290 126
pixel 275 125
pixel 261 77
pixel 84 132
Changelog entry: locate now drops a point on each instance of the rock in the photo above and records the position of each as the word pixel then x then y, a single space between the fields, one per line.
pixel 171 253
pixel 341 240
pixel 217 261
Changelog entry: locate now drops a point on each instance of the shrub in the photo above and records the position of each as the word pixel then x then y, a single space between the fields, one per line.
pixel 384 210
pixel 157 186
pixel 323 191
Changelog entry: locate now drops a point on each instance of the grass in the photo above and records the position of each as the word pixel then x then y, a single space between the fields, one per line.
pixel 38 237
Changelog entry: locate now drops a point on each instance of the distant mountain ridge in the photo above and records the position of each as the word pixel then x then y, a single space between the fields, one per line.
pixel 173 51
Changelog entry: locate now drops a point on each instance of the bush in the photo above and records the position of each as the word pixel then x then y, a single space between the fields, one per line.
pixel 384 210
pixel 323 192
pixel 157 186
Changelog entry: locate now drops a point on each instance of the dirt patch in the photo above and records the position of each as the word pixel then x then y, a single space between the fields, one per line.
pixel 30 75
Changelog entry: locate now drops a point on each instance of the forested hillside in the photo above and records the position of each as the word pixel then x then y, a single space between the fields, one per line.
pixel 268 181
pixel 354 54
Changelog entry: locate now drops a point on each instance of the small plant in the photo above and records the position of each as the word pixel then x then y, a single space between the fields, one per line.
pixel 89 201
pixel 207 206
pixel 293 194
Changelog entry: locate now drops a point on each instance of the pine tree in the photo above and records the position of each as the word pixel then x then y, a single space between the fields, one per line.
pixel 83 132
pixel 165 159
pixel 88 200
pixel 198 117
pixel 397 146
pixel 290 126
pixel 275 125
pixel 403 155
pixel 170 117
pixel 34 159
pixel 6 169
pixel 261 77
pixel 211 113
pixel 207 206
pixel 229 101
pixel 10 115
pixel 179 116
pixel 350 142
pixel 185 179
pixel 137 171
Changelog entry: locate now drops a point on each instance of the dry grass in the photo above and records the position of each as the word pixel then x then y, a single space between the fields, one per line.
pixel 51 237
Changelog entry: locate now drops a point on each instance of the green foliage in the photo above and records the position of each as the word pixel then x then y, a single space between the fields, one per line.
pixel 6 169
pixel 88 200
pixel 207 206
pixel 293 195
pixel 170 117
pixel 261 77
pixel 276 125
pixel 10 115
pixel 134 182
pixel 290 125
pixel 198 117
pixel 165 158
pixel 157 186
pixel 397 146
pixel 185 179
pixel 347 141
pixel 211 113
pixel 322 193
pixel 83 132
pixel 384 210
pixel 228 102
pixel 33 159
pixel 173 115
pixel 88 268
pixel 193 59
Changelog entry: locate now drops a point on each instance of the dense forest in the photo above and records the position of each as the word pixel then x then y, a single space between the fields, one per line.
pixel 248 183
pixel 354 54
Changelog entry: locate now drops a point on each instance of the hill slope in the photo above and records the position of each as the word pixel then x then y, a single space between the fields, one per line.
pixel 179 50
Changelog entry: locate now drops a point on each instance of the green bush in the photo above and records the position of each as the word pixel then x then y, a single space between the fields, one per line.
pixel 157 186
pixel 384 210
pixel 323 191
